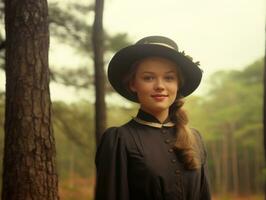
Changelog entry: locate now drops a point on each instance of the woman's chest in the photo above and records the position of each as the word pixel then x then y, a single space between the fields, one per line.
pixel 154 167
pixel 152 153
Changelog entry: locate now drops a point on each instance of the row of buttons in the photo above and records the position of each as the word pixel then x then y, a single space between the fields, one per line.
pixel 167 141
pixel 177 172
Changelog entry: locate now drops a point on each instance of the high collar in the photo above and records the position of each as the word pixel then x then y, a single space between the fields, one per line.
pixel 149 120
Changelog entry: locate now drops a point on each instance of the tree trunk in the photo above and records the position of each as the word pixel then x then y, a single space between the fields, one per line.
pixel 71 166
pixel 98 48
pixel 264 111
pixel 29 170
pixel 235 173
pixel 217 166
pixel 257 168
pixel 246 173
pixel 225 158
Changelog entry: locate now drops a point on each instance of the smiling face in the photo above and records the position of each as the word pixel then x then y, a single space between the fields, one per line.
pixel 156 85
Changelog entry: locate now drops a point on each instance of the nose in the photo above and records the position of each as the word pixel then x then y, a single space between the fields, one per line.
pixel 159 85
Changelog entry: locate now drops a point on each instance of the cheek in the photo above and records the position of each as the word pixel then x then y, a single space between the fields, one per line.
pixel 141 89
pixel 173 88
pixel 138 86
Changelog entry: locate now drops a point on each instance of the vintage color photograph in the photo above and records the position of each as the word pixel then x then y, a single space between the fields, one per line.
pixel 132 100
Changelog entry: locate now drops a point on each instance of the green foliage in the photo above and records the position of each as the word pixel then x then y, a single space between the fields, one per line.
pixel 231 113
pixel 74 133
pixel 80 78
pixel 118 115
pixel 72 27
pixel 75 141
pixel 116 42
pixel 75 28
pixel 71 24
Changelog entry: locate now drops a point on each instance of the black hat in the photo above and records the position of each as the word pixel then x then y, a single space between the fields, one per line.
pixel 151 46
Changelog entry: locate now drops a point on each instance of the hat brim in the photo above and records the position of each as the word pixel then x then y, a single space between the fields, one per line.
pixel 126 57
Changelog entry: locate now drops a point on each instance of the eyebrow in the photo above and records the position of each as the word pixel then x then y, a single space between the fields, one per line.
pixel 148 72
pixel 172 71
pixel 151 72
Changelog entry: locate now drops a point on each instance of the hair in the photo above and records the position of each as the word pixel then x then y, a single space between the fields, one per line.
pixel 185 139
pixel 130 76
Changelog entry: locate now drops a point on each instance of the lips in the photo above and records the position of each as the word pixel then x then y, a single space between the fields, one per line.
pixel 159 97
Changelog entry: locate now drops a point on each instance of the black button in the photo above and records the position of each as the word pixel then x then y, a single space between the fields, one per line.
pixel 173 160
pixel 164 131
pixel 167 141
pixel 177 171
pixel 170 150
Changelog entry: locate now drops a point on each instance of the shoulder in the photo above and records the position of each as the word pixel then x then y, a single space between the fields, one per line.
pixel 111 143
pixel 117 131
pixel 197 134
pixel 110 135
pixel 114 134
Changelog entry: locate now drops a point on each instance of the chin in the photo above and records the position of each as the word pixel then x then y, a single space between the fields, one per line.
pixel 158 109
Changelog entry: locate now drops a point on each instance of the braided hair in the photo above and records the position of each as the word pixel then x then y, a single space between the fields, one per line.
pixel 185 139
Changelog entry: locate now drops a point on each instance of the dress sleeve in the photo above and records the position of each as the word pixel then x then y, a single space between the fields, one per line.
pixel 111 167
pixel 205 193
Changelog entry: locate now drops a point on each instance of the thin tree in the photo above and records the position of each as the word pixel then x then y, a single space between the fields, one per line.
pixel 29 152
pixel 98 49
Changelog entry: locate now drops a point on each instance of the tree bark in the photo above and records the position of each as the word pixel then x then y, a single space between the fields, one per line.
pixel 225 157
pixel 29 170
pixel 100 79
pixel 246 173
pixel 2 45
pixel 235 173
pixel 257 168
pixel 217 166
pixel 264 110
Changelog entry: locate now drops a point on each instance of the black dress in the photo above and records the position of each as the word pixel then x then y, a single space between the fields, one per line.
pixel 137 162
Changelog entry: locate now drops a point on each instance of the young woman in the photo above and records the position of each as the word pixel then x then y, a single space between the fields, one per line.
pixel 155 156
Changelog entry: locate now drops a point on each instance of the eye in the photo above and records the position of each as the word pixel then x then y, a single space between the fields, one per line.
pixel 148 78
pixel 170 78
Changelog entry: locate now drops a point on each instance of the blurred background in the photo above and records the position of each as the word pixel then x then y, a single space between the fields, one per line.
pixel 227 37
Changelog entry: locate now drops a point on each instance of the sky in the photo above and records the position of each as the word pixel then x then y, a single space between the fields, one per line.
pixel 221 34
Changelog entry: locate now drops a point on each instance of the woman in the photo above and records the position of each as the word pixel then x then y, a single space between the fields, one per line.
pixel 155 156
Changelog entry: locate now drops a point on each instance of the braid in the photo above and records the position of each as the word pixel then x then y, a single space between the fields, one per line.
pixel 185 139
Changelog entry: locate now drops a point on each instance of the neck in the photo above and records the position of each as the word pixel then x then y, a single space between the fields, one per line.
pixel 160 115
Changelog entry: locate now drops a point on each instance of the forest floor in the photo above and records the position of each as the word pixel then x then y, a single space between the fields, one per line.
pixel 234 197
pixel 83 189
pixel 76 188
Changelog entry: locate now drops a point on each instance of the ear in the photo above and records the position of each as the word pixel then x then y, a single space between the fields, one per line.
pixel 132 86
